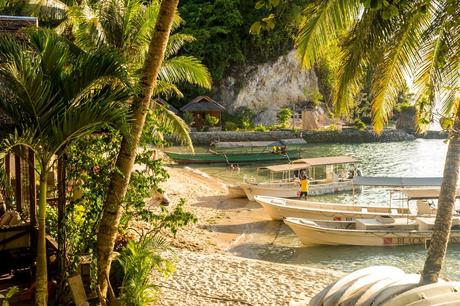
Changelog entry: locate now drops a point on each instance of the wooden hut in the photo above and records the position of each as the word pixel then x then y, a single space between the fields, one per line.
pixel 203 106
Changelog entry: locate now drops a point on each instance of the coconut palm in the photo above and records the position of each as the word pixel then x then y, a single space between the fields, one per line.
pixel 112 209
pixel 127 26
pixel 56 93
pixel 416 39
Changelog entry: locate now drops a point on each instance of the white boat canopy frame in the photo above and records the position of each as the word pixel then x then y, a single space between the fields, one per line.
pixel 300 164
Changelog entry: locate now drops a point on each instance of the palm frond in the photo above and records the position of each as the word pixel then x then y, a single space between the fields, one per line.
pixel 397 64
pixel 176 42
pixel 323 22
pixel 175 124
pixel 359 49
pixel 185 69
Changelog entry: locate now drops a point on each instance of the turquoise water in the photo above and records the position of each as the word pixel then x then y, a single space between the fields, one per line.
pixel 415 158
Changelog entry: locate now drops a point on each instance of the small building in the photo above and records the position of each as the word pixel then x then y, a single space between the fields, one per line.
pixel 200 108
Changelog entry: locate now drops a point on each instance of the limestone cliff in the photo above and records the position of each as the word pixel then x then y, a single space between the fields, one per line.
pixel 267 87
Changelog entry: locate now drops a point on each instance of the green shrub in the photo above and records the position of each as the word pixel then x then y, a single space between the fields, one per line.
pixel 260 128
pixel 358 124
pixel 188 118
pixel 284 115
pixel 230 126
pixel 211 120
pixel 243 116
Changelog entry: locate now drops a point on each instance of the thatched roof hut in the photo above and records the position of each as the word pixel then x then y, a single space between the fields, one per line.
pixel 203 104
pixel 202 108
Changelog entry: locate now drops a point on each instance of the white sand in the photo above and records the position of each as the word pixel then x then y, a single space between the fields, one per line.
pixel 208 275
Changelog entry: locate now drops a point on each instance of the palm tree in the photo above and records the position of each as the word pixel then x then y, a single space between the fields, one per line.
pixel 56 93
pixel 120 179
pixel 127 26
pixel 418 39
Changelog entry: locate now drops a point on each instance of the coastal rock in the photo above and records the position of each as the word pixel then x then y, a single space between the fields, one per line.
pixel 267 87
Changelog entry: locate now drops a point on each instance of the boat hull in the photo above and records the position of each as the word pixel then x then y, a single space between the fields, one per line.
pixel 290 190
pixel 309 233
pixel 279 209
pixel 206 158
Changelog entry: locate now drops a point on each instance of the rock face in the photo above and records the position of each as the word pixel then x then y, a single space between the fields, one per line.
pixel 266 88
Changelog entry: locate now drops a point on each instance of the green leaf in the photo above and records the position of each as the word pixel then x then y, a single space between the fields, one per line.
pixel 260 4
pixel 255 28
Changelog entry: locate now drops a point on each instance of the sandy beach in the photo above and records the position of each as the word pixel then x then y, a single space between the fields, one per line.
pixel 213 262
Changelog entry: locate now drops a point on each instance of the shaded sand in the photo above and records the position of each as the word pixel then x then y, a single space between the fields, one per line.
pixel 208 273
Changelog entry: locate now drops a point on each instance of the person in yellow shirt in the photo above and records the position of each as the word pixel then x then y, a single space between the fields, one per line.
pixel 303 187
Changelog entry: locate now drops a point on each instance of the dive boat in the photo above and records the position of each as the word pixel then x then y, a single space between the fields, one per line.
pixel 242 152
pixel 380 231
pixel 279 208
pixel 330 174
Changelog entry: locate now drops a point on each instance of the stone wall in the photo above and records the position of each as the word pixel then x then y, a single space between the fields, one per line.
pixel 345 136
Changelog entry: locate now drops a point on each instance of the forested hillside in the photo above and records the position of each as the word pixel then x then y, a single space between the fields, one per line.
pixel 221 29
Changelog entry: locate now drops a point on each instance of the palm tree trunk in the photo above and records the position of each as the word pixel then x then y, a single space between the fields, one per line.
pixel 125 161
pixel 446 204
pixel 41 296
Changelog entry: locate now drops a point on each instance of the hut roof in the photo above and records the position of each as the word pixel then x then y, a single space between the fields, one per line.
pixel 203 103
pixel 167 105
pixel 14 23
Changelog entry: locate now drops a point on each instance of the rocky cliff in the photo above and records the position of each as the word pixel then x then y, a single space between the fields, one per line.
pixel 267 87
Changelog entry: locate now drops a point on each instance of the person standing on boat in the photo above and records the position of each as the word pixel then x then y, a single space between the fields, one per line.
pixel 303 187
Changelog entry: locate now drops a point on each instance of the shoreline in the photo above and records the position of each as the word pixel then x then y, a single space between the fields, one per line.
pixel 215 261
pixel 342 136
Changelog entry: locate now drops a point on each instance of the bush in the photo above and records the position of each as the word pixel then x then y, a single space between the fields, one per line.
pixel 284 115
pixel 243 116
pixel 188 118
pixel 358 124
pixel 261 128
pixel 211 120
pixel 230 126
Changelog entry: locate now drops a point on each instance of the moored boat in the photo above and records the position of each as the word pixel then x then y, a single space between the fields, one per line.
pixel 242 152
pixel 279 208
pixel 330 174
pixel 381 231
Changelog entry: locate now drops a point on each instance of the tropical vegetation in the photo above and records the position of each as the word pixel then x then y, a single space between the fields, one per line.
pixel 56 93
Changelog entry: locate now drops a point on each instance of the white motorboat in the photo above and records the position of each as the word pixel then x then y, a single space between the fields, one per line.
pixel 279 208
pixel 327 175
pixel 381 231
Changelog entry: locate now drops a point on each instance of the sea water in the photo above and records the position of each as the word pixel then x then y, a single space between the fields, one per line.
pixel 419 158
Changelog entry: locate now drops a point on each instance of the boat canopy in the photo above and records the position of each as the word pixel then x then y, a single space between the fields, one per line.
pixel 246 144
pixel 328 160
pixel 422 194
pixel 397 181
pixel 304 163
